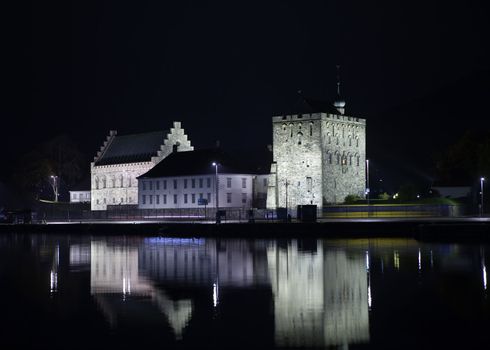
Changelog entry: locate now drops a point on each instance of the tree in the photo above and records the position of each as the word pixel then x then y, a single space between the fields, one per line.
pixel 59 157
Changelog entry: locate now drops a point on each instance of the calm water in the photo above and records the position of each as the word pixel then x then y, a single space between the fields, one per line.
pixel 157 292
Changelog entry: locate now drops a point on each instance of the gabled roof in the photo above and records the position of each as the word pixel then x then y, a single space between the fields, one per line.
pixel 132 148
pixel 198 163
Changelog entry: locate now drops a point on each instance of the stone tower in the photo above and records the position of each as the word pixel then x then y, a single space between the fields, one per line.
pixel 318 158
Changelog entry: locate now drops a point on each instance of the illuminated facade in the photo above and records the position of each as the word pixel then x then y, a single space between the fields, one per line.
pixel 122 159
pixel 318 158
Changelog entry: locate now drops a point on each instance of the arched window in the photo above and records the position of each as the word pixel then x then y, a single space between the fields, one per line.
pixel 350 159
pixel 350 141
pixel 113 180
pixel 104 182
pixel 291 130
pixel 329 158
pixel 300 137
pixel 357 160
pixel 96 182
pixel 129 181
pixel 121 180
pixel 357 141
pixel 329 138
pixel 338 158
pixel 311 129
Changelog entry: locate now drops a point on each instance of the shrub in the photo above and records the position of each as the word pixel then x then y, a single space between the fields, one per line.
pixel 351 198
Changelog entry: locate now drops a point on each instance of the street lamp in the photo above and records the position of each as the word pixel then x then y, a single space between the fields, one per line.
pixel 216 190
pixel 54 185
pixel 482 179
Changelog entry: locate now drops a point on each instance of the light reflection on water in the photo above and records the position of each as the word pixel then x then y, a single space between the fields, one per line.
pixel 301 293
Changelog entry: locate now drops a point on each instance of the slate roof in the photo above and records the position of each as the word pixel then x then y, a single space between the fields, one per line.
pixel 132 148
pixel 318 106
pixel 199 163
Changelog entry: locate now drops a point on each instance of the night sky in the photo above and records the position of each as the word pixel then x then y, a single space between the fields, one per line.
pixel 225 68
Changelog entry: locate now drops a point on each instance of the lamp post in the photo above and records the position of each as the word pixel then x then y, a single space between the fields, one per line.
pixel 482 179
pixel 54 185
pixel 216 190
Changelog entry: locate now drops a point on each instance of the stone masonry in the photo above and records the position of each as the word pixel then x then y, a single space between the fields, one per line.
pixel 318 158
pixel 115 183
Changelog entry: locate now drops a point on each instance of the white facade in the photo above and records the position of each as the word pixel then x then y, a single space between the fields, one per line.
pixel 234 191
pixel 79 196
pixel 116 183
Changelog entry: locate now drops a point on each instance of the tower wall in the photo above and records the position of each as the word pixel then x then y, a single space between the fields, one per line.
pixel 344 157
pixel 297 154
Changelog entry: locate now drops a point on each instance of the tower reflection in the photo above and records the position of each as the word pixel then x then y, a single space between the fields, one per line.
pixel 320 296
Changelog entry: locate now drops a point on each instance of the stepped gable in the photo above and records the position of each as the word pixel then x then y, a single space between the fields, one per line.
pixel 198 163
pixel 132 148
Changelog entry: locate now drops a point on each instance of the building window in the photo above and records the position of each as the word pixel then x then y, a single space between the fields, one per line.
pixel 185 198
pixel 350 159
pixel 228 182
pixel 97 202
pixel 151 199
pixel 104 182
pixel 130 199
pixel 175 199
pixel 105 201
pixel 97 183
pixel 311 129
pixel 209 197
pixel 208 180
pixel 164 184
pixel 357 160
pixel 330 158
pixel 265 182
pixel 164 199
pixel 357 142
pixel 244 182
pixel 113 182
pixel 151 185
pixel 193 183
pixel 338 159
pixel 244 198
pixel 309 184
pixel 143 199
pixel 193 198
pixel 157 199
pixel 200 195
pixel 185 183
pixel 157 183
pixel 121 180
pixel 113 200
pixel 175 184
pixel 228 197
pixel 122 200
pixel 129 181
pixel 144 185
pixel 200 183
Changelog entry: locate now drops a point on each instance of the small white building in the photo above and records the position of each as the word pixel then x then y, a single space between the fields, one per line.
pixel 188 180
pixel 80 196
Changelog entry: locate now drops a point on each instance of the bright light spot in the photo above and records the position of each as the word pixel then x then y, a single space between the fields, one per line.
pixel 370 301
pixel 420 260
pixel 418 196
pixel 367 260
pixel 484 277
pixel 53 282
pixel 214 163
pixel 124 285
pixel 396 259
pixel 215 294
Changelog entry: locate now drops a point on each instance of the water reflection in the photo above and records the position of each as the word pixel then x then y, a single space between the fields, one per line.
pixel 286 293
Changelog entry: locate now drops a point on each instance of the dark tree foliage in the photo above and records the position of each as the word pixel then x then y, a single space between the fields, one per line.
pixel 466 160
pixel 59 156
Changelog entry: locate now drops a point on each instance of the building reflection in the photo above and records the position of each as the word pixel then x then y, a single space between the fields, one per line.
pixel 320 296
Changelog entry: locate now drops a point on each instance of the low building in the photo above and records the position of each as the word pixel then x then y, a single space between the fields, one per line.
pixel 80 196
pixel 189 180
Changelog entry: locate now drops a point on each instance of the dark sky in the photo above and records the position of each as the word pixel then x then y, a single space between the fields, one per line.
pixel 225 68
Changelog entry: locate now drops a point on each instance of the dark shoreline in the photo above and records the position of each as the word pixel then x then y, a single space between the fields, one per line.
pixel 450 230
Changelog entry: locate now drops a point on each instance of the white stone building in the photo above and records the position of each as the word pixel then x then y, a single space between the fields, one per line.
pixel 122 159
pixel 79 196
pixel 318 157
pixel 188 180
